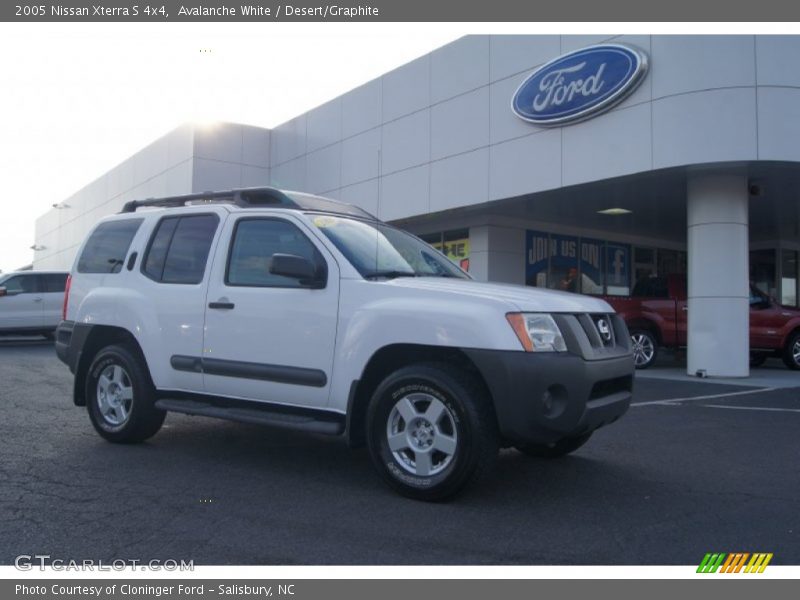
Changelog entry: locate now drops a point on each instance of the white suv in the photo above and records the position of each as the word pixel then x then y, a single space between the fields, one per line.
pixel 296 311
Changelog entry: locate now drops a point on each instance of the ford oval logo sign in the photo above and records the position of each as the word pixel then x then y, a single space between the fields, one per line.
pixel 580 85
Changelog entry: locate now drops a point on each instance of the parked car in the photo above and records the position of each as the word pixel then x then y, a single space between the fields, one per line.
pixel 292 310
pixel 31 302
pixel 656 317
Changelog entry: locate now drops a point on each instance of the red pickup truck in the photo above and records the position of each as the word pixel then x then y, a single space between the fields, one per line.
pixel 656 317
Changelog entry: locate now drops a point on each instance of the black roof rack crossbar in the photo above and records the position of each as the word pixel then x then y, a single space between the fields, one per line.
pixel 240 197
pixel 253 197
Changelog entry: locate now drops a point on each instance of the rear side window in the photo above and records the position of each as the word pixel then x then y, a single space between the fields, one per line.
pixel 178 251
pixel 107 246
pixel 55 282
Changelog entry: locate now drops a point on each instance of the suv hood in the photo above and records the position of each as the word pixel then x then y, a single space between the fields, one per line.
pixel 524 298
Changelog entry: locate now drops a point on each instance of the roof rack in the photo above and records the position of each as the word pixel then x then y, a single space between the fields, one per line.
pixel 254 197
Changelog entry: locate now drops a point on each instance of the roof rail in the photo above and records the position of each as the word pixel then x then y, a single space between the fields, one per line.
pixel 255 197
pixel 240 197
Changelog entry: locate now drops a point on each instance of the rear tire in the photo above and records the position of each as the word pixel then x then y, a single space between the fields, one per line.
pixel 120 396
pixel 560 448
pixel 645 348
pixel 791 354
pixel 431 431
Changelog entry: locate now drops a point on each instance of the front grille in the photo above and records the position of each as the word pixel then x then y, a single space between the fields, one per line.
pixel 583 334
pixel 599 328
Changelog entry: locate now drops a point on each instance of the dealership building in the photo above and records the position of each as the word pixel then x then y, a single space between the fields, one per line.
pixel 584 163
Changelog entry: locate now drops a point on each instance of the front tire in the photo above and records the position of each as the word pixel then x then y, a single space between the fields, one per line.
pixel 560 448
pixel 431 431
pixel 791 354
pixel 120 396
pixel 645 348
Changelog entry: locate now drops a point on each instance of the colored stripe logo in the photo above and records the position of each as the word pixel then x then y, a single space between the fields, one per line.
pixel 736 562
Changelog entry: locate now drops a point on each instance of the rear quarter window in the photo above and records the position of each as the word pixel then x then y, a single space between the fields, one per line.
pixel 106 248
pixel 55 282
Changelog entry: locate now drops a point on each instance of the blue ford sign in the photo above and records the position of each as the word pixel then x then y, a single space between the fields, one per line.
pixel 580 85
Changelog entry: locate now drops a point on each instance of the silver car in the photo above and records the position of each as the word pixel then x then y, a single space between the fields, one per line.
pixel 31 302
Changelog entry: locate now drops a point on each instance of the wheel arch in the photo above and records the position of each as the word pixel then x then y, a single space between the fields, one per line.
pixel 646 324
pixel 386 360
pixel 795 329
pixel 98 337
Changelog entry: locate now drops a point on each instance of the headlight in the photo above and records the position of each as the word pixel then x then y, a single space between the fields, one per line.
pixel 537 332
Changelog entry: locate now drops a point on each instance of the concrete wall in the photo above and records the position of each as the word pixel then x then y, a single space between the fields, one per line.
pixel 439 133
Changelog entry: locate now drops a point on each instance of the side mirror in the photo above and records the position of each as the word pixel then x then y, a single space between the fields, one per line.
pixel 3 292
pixel 296 267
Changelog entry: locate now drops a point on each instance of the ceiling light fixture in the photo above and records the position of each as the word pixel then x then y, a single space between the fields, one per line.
pixel 615 211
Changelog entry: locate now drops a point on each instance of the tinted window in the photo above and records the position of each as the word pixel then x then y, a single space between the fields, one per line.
pixel 757 297
pixel 21 284
pixel 157 253
pixel 55 282
pixel 652 287
pixel 254 243
pixel 179 249
pixel 107 246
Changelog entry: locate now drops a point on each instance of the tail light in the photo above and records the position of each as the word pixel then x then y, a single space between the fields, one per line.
pixel 66 298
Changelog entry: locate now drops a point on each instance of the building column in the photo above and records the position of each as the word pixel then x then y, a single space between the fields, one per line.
pixel 718 293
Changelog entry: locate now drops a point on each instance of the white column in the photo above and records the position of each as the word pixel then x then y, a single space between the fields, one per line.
pixel 718 303
pixel 479 252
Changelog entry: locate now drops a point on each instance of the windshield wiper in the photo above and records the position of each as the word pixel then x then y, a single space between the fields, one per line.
pixel 389 274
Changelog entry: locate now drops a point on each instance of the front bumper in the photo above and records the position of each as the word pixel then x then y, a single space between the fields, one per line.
pixel 544 397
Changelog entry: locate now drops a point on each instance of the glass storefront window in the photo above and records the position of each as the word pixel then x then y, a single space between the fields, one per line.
pixel 762 271
pixel 591 266
pixel 574 264
pixel 537 259
pixel 618 258
pixel 564 263
pixel 789 277
pixel 453 244
pixel 644 264
pixel 671 262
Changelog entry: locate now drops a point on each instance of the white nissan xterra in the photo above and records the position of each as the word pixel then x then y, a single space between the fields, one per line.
pixel 292 310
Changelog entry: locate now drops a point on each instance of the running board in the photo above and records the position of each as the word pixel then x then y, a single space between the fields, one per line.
pixel 258 415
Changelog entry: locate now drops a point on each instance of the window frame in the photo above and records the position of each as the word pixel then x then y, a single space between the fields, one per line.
pixel 320 261
pixel 154 233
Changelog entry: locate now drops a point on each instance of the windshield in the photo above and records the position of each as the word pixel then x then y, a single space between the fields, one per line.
pixel 378 250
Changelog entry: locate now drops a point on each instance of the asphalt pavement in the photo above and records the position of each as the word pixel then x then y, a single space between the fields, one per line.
pixel 692 468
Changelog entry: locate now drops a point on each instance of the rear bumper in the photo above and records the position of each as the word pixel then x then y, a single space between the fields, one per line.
pixel 67 350
pixel 542 398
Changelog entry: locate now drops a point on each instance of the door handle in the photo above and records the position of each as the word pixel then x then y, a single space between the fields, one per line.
pixel 37 299
pixel 221 305
pixel 685 308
